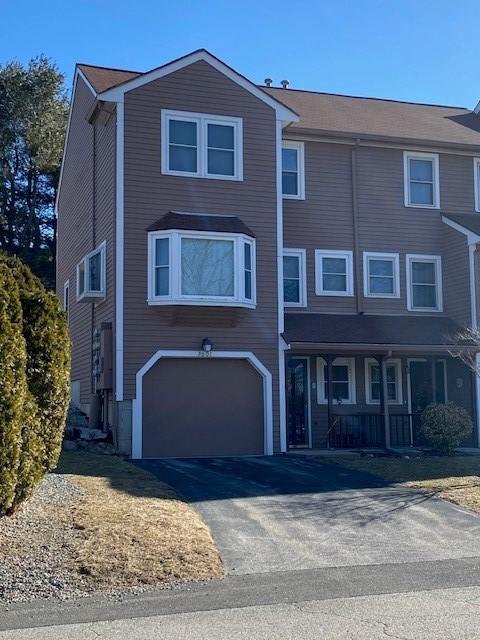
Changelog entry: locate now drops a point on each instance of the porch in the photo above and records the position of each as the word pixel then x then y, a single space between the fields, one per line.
pixel 365 401
pixel 350 396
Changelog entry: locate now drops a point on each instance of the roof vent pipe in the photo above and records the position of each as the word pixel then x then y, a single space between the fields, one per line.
pixel 285 84
pixel 268 82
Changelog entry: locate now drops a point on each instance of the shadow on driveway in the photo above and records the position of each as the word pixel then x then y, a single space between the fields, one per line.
pixel 292 512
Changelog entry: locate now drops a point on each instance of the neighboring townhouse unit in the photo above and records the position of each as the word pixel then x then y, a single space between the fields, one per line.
pixel 251 269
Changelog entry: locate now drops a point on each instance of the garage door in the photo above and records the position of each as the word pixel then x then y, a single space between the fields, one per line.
pixel 201 407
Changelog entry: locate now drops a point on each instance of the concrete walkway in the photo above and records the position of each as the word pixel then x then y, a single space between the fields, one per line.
pixel 291 513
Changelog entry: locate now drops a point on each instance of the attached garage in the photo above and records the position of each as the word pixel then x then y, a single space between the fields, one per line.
pixel 194 407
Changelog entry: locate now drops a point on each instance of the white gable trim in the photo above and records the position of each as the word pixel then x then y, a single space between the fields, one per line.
pixel 472 238
pixel 137 413
pixel 116 93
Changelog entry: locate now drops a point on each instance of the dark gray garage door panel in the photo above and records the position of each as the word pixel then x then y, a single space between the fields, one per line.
pixel 202 407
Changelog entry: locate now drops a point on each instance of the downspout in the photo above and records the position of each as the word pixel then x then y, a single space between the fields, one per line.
pixel 472 249
pixel 280 306
pixel 355 222
pixel 94 240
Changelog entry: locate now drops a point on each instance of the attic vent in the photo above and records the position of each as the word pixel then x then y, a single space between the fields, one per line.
pixel 268 82
pixel 285 84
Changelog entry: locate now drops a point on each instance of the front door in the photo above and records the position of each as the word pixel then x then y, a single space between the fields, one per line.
pixel 297 402
pixel 427 384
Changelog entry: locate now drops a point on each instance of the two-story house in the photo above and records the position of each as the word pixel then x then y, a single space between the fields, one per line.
pixel 248 269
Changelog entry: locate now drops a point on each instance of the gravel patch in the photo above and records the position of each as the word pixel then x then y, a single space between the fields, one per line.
pixel 37 546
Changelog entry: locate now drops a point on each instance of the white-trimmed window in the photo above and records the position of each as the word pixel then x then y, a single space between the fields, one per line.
pixel 293 170
pixel 333 273
pixel 201 145
pixel 91 275
pixel 476 180
pixel 66 297
pixel 394 381
pixel 381 275
pixel 421 180
pixel 424 283
pixel 343 381
pixel 201 268
pixel 294 278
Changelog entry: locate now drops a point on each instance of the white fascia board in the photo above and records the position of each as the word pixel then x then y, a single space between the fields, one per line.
pixel 472 238
pixel 116 93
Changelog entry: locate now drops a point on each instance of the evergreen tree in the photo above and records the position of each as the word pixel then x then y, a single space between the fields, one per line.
pixel 33 118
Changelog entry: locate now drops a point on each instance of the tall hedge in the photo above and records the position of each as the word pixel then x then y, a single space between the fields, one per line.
pixel 13 386
pixel 41 376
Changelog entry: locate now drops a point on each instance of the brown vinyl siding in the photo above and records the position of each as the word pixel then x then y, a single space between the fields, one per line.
pixel 456 276
pixel 324 219
pixel 462 396
pixel 384 223
pixel 86 210
pixel 149 195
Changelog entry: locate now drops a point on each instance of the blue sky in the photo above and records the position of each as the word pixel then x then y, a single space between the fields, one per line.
pixel 419 50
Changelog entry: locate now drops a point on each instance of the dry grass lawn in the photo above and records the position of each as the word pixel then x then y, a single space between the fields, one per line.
pixel 134 530
pixel 453 478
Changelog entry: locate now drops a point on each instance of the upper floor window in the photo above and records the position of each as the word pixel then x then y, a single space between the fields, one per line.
pixel 381 277
pixel 476 169
pixel 333 273
pixel 421 179
pixel 202 146
pixel 424 283
pixel 190 267
pixel 294 278
pixel 293 170
pixel 343 381
pixel 91 276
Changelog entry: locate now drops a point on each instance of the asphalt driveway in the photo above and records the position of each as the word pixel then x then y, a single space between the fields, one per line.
pixel 293 512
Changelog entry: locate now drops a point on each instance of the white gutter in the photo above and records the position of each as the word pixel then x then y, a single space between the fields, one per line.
pixel 280 305
pixel 119 252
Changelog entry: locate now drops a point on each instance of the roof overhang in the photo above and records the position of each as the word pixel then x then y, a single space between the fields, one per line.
pixel 373 140
pixel 331 347
pixel 472 237
pixel 116 94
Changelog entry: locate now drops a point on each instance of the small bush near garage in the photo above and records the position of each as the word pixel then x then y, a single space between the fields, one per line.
pixel 445 426
pixel 34 381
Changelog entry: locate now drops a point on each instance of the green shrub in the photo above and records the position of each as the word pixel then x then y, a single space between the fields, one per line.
pixel 13 386
pixel 444 426
pixel 45 370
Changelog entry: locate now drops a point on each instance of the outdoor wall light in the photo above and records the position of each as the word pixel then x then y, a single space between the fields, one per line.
pixel 207 345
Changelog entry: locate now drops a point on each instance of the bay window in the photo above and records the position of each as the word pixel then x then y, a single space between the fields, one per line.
pixel 191 267
pixel 202 146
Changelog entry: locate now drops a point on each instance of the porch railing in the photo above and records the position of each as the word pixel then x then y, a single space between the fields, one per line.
pixel 362 430
pixel 356 431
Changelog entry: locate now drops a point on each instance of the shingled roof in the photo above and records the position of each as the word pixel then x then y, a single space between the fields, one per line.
pixel 380 119
pixel 389 331
pixel 103 78
pixel 348 116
